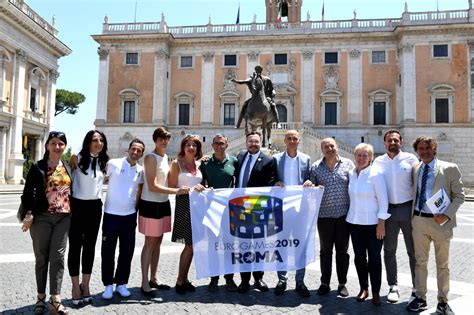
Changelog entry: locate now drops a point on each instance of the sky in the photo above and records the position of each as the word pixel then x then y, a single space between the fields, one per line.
pixel 77 20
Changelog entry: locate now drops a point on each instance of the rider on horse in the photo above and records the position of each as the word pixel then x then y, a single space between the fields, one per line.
pixel 268 89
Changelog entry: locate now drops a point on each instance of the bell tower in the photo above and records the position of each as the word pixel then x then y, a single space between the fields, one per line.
pixel 291 7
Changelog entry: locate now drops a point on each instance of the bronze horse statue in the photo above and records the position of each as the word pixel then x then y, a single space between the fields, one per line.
pixel 259 113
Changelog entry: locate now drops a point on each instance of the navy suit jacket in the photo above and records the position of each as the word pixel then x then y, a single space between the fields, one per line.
pixel 304 165
pixel 263 172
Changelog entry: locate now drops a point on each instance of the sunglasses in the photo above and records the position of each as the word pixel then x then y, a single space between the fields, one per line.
pixel 56 134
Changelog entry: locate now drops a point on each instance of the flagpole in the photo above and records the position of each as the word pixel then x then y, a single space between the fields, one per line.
pixel 135 19
pixel 322 12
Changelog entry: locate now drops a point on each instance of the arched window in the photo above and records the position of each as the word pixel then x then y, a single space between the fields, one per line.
pixel 282 113
pixel 129 106
pixel 37 75
pixel 5 57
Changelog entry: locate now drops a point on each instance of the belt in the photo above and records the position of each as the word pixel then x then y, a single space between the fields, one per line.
pixel 400 205
pixel 423 214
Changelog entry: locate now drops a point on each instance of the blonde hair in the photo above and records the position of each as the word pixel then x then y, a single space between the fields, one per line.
pixel 365 146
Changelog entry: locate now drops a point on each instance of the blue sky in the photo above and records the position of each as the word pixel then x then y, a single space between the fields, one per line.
pixel 76 20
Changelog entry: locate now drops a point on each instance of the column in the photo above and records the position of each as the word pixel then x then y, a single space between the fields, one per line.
pixel 307 87
pixel 207 88
pixel 160 87
pixel 15 159
pixel 407 112
pixel 39 149
pixel 354 110
pixel 3 153
pixel 51 97
pixel 101 113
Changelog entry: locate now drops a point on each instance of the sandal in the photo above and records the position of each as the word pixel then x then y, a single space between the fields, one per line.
pixel 57 307
pixel 40 305
pixel 77 302
pixel 85 298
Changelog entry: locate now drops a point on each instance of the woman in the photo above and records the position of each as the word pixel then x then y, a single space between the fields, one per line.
pixel 367 215
pixel 155 211
pixel 185 173
pixel 46 200
pixel 86 213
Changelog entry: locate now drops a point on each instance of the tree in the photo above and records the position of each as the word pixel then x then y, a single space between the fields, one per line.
pixel 67 101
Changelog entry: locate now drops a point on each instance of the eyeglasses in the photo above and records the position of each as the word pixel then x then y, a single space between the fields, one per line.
pixel 56 134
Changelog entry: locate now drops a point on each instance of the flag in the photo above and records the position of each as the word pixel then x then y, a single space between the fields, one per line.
pixel 247 229
pixel 237 21
pixel 322 12
pixel 280 11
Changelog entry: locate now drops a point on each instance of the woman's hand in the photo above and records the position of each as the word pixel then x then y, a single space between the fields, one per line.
pixel 182 190
pixel 380 229
pixel 199 188
pixel 26 223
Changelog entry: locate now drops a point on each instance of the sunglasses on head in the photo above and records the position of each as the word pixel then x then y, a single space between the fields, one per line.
pixel 56 134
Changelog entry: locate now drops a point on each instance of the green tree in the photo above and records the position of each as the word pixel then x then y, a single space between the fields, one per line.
pixel 67 155
pixel 67 101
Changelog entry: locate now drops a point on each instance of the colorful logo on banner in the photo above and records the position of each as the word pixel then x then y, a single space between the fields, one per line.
pixel 255 216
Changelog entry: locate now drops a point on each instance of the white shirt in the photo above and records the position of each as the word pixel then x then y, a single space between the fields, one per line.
pixel 291 171
pixel 162 169
pixel 123 183
pixel 397 174
pixel 87 187
pixel 244 165
pixel 368 195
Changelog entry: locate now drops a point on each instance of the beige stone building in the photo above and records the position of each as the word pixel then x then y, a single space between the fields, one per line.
pixel 348 79
pixel 29 53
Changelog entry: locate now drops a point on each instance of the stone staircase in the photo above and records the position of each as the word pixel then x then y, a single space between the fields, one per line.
pixel 310 142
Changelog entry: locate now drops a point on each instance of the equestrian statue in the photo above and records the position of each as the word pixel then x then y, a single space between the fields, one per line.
pixel 260 109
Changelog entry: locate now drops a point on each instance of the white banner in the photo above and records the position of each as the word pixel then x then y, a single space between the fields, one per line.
pixel 254 229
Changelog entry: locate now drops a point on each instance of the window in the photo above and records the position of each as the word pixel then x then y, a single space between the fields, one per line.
pixel 186 62
pixel 33 100
pixel 331 58
pixel 330 113
pixel 129 111
pixel 131 58
pixel 379 113
pixel 281 59
pixel 230 60
pixel 229 114
pixel 440 51
pixel 183 114
pixel 282 113
pixel 378 56
pixel 442 110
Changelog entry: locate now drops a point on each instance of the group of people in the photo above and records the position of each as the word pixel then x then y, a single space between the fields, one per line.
pixel 368 201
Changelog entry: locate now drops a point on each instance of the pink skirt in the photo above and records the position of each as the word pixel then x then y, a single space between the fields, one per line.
pixel 154 227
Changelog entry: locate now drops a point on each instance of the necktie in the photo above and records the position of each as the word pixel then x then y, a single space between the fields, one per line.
pixel 422 196
pixel 94 165
pixel 247 170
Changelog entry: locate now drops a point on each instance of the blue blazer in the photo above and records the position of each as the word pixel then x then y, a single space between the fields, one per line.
pixel 304 165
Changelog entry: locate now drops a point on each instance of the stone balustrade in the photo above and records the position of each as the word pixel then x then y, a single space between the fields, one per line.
pixel 23 7
pixel 338 26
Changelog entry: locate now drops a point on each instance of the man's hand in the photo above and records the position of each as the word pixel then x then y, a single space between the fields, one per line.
pixel 308 183
pixel 280 184
pixel 441 218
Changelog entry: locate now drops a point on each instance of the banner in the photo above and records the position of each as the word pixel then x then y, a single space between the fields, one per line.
pixel 254 229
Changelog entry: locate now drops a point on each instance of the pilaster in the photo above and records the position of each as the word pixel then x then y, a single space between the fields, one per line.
pixel 355 87
pixel 407 111
pixel 207 88
pixel 160 87
pixel 307 86
pixel 102 91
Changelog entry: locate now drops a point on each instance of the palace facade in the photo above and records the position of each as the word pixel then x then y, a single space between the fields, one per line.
pixel 29 53
pixel 348 79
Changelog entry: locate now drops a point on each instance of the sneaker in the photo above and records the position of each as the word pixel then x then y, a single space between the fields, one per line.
pixel 323 289
pixel 230 285
pixel 443 308
pixel 393 294
pixel 342 291
pixel 108 292
pixel 212 286
pixel 122 290
pixel 417 305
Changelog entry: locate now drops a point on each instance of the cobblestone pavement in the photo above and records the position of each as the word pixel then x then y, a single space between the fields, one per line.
pixel 18 288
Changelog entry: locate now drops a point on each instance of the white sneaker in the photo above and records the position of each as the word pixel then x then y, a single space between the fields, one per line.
pixel 393 295
pixel 108 292
pixel 122 290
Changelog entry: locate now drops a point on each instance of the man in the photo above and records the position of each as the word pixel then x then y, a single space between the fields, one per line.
pixel 218 172
pixel 254 169
pixel 120 218
pixel 396 166
pixel 432 176
pixel 268 90
pixel 292 169
pixel 332 172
